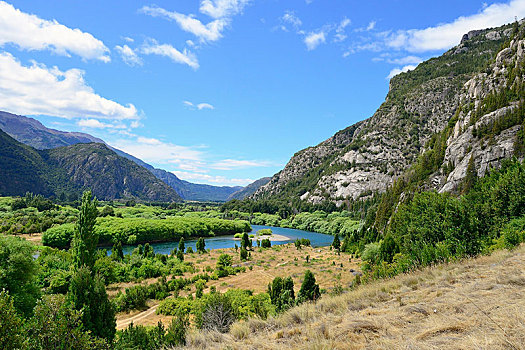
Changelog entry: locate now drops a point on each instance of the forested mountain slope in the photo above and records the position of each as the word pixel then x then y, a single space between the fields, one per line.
pixel 69 170
pixel 32 133
pixel 368 156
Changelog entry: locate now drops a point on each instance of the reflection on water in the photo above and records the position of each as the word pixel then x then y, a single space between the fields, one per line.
pixel 220 242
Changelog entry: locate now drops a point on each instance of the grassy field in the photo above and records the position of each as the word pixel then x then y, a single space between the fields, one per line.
pixel 472 304
pixel 264 266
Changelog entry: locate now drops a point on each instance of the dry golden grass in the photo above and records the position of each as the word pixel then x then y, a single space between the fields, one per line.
pixel 473 304
pixel 266 264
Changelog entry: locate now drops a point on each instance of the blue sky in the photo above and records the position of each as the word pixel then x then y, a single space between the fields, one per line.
pixel 220 91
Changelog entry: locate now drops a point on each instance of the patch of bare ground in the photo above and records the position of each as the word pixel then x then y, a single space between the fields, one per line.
pixel 471 304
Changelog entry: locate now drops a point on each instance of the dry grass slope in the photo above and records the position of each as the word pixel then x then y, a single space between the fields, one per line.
pixel 472 304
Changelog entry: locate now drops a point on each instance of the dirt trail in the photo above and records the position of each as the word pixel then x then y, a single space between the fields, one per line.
pixel 137 318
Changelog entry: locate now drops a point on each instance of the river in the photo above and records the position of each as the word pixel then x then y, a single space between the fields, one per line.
pixel 221 242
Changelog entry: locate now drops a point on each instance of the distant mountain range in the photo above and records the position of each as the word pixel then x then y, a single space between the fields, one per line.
pixel 31 132
pixel 249 189
pixel 66 171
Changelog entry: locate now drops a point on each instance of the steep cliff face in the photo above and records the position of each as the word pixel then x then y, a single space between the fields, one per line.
pixel 488 131
pixel 368 156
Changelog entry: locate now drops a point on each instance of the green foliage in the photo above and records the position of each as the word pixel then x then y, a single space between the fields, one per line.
pixel 302 242
pixel 137 230
pixel 336 244
pixel 223 266
pixel 18 272
pixel 141 338
pixel 265 232
pixel 432 227
pixel 266 243
pixel 181 245
pixel 85 239
pixel 10 323
pixel 243 254
pixel 88 293
pixel 232 305
pixel 309 289
pixel 200 245
pixel 281 292
pixel 176 334
pixel 56 325
pixel 246 242
pixel 180 255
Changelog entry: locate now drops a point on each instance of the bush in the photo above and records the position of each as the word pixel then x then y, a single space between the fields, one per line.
pixel 266 243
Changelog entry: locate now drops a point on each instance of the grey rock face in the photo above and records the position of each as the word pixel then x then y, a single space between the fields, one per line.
pixel 368 156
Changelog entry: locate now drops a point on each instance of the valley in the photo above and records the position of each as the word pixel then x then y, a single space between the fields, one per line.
pixel 403 230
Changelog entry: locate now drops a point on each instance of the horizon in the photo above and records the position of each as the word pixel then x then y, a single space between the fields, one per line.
pixel 225 96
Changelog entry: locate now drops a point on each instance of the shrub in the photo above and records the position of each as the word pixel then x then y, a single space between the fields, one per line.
pixel 266 243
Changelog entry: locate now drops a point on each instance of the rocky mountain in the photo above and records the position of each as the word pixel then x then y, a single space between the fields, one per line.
pixel 71 169
pixel 33 133
pixel 249 189
pixel 441 93
pixel 195 192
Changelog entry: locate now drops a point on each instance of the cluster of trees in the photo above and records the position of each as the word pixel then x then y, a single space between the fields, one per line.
pixel 59 299
pixel 431 227
pixel 282 295
pixel 218 311
pixel 137 230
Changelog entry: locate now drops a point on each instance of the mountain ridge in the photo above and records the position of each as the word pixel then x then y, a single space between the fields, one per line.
pixel 69 170
pixel 368 156
pixel 33 133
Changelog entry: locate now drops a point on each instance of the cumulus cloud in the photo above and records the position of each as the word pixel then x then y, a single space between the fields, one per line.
pixel 157 151
pixel 314 39
pixel 371 26
pixel 444 36
pixel 185 57
pixel 129 56
pixel 397 71
pixel 97 124
pixel 222 8
pixel 37 89
pixel 30 32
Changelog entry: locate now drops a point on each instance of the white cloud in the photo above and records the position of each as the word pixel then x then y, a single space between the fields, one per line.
pixel 128 39
pixel 129 56
pixel 210 179
pixel 199 106
pixel 445 36
pixel 340 30
pixel 222 8
pixel 184 57
pixel 397 71
pixel 289 17
pixel 229 164
pixel 37 89
pixel 30 32
pixel 371 26
pixel 314 39
pixel 156 151
pixel 405 60
pixel 96 124
pixel 205 32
